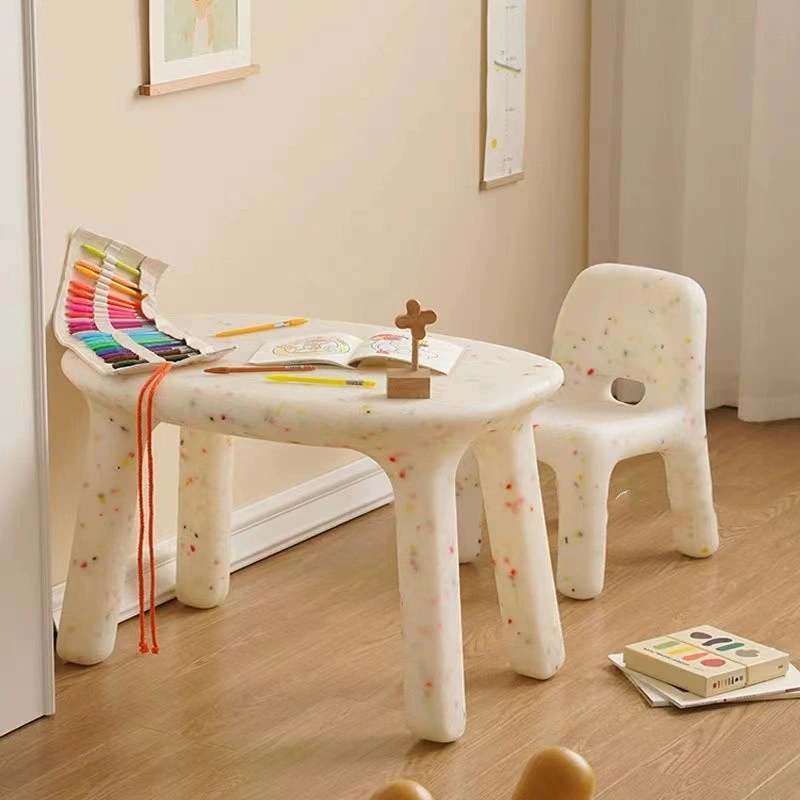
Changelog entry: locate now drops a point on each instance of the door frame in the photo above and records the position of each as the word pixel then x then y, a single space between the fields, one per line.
pixel 39 325
pixel 38 329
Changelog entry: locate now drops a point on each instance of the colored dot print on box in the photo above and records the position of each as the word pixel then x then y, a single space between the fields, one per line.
pixel 728 682
pixel 761 662
pixel 723 644
pixel 687 652
pixel 706 660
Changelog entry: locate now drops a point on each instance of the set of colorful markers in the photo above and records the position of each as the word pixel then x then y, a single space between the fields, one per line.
pixel 119 307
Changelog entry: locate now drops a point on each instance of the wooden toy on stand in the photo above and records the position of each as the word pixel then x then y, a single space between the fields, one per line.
pixel 553 774
pixel 413 383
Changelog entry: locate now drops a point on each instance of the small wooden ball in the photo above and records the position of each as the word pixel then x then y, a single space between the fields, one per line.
pixel 403 790
pixel 556 774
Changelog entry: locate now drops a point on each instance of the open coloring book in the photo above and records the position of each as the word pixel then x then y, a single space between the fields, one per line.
pixel 343 350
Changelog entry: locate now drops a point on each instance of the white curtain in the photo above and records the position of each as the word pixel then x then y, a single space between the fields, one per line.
pixel 695 168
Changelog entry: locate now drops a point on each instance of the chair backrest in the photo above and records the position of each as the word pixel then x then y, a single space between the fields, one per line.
pixel 638 323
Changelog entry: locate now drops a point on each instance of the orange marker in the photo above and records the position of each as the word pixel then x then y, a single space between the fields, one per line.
pixel 117 278
pixel 100 278
pixel 79 289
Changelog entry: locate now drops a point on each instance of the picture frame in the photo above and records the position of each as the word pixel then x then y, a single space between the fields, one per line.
pixel 197 42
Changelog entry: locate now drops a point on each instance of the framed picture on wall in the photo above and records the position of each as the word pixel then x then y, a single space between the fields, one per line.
pixel 197 43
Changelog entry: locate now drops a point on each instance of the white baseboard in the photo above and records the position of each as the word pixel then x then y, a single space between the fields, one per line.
pixel 271 525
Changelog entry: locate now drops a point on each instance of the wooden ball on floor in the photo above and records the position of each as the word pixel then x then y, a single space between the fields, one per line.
pixel 553 774
pixel 403 790
pixel 556 774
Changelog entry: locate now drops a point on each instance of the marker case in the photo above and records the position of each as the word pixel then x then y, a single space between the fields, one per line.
pixel 150 273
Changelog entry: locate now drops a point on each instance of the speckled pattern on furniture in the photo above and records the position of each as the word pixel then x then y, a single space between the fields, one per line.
pixel 485 403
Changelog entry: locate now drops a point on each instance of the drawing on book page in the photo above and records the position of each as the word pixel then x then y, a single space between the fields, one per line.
pixel 312 345
pixel 393 344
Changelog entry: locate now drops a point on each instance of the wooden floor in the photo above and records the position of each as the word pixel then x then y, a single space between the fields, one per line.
pixel 292 689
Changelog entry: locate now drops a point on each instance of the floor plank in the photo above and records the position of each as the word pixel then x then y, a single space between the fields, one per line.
pixel 292 689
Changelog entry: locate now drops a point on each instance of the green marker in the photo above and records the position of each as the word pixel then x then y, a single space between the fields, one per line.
pixel 100 254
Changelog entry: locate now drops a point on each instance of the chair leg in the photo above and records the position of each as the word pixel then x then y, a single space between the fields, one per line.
pixel 691 496
pixel 582 523
pixel 469 502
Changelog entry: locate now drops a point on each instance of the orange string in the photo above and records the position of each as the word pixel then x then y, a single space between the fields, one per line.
pixel 160 375
pixel 144 417
pixel 143 646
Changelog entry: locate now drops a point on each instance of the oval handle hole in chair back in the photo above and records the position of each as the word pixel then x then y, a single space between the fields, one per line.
pixel 627 391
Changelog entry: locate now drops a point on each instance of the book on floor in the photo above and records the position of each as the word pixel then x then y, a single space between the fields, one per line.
pixel 704 665
pixel 705 660
pixel 660 694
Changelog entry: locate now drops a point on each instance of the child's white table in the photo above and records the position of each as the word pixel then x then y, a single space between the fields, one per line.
pixel 486 403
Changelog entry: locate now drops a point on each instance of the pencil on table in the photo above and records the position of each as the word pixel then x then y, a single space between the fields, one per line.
pixel 273 368
pixel 270 326
pixel 321 381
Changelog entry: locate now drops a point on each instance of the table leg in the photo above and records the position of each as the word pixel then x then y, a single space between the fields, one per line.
pixel 204 518
pixel 427 556
pixel 469 501
pixel 104 539
pixel 518 540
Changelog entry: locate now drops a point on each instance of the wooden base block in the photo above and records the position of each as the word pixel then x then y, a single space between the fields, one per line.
pixel 405 384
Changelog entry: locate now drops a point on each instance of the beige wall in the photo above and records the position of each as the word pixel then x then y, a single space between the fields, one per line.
pixel 337 183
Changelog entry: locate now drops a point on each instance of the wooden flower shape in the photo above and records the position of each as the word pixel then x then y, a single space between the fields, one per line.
pixel 415 319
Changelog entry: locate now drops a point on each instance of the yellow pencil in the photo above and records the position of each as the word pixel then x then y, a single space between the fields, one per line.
pixel 320 381
pixel 271 326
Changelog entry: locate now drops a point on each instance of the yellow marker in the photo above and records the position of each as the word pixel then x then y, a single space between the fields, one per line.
pixel 320 381
pixel 111 260
pixel 287 323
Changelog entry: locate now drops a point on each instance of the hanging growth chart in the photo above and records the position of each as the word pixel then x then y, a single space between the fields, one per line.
pixel 505 93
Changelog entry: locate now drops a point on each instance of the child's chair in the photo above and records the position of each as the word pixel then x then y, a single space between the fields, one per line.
pixel 642 325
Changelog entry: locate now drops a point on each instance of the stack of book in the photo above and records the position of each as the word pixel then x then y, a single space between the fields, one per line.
pixel 703 666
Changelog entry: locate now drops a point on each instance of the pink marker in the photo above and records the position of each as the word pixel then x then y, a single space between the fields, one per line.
pixel 110 312
pixel 83 316
pixel 126 323
pixel 81 308
pixel 74 305
pixel 89 324
pixel 79 295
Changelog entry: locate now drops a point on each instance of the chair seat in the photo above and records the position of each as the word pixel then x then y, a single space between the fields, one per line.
pixel 625 429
